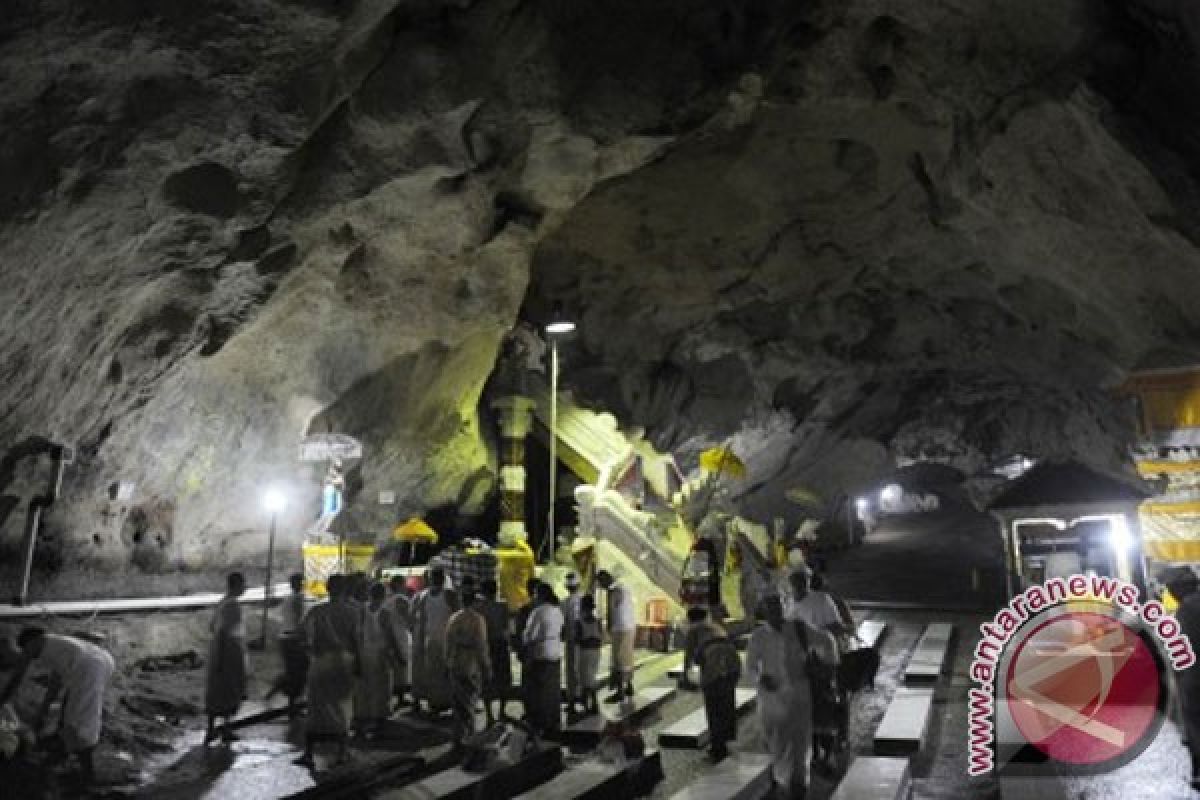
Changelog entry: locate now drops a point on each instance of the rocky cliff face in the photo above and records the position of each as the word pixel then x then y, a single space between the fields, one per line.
pixel 834 231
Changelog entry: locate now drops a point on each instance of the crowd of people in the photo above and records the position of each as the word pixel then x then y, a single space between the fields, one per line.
pixel 372 649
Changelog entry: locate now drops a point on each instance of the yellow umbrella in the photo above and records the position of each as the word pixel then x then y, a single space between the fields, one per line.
pixel 415 530
pixel 722 460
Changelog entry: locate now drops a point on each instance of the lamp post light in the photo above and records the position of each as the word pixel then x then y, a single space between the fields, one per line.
pixel 558 326
pixel 274 501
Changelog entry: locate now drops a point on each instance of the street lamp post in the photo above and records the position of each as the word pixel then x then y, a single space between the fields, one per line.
pixel 558 326
pixel 274 502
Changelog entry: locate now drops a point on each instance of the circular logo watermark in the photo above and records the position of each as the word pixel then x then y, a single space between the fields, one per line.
pixel 1085 689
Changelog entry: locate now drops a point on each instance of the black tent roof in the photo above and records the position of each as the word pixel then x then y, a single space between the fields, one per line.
pixel 1066 483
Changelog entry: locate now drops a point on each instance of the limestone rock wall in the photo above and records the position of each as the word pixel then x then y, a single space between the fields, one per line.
pixel 835 231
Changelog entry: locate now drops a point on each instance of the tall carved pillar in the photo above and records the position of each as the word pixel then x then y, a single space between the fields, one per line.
pixel 515 413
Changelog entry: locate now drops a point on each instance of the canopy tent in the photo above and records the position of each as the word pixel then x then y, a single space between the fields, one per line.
pixel 1051 519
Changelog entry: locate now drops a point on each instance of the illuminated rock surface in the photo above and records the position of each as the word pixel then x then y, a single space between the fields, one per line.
pixel 841 231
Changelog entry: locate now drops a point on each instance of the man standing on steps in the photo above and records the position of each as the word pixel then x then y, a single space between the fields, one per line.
pixel 708 646
pixel 499 687
pixel 228 664
pixel 778 659
pixel 571 611
pixel 622 628
pixel 542 638
pixel 431 612
pixel 467 662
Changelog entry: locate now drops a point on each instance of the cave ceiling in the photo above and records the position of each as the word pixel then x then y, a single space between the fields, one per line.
pixel 833 233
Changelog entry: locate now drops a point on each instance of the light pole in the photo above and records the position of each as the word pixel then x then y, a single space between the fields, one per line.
pixel 274 501
pixel 558 326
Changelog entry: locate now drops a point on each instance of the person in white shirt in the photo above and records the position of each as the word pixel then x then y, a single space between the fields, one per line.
pixel 543 641
pixel 778 662
pixel 815 608
pixel 571 611
pixel 622 626
pixel 77 668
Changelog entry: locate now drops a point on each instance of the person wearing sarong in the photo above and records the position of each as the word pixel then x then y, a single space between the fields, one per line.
pixel 468 663
pixel 589 634
pixel 708 646
pixel 291 647
pixel 570 609
pixel 622 627
pixel 331 634
pixel 373 690
pixel 432 611
pixel 80 669
pixel 543 651
pixel 227 661
pixel 520 619
pixel 777 659
pixel 397 616
pixel 499 687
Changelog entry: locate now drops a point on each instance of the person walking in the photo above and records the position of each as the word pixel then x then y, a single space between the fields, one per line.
pixel 431 612
pixel 589 637
pixel 227 660
pixel 1182 583
pixel 80 669
pixel 778 659
pixel 571 609
pixel 373 691
pixel 468 663
pixel 291 647
pixel 709 647
pixel 499 687
pixel 397 619
pixel 622 628
pixel 331 634
pixel 544 652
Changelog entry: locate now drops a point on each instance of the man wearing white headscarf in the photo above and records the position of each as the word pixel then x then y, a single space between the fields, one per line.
pixel 777 660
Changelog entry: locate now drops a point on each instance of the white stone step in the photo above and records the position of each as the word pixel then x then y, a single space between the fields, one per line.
pixel 692 730
pixel 644 702
pixel 741 776
pixel 876 778
pixel 596 780
pixel 929 657
pixel 905 723
pixel 871 632
pixel 457 783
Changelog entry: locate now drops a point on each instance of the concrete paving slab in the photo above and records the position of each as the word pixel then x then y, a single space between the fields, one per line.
pixel 906 722
pixel 876 778
pixel 741 776
pixel 929 658
pixel 692 730
pixel 871 632
pixel 644 702
pixel 457 783
pixel 596 780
